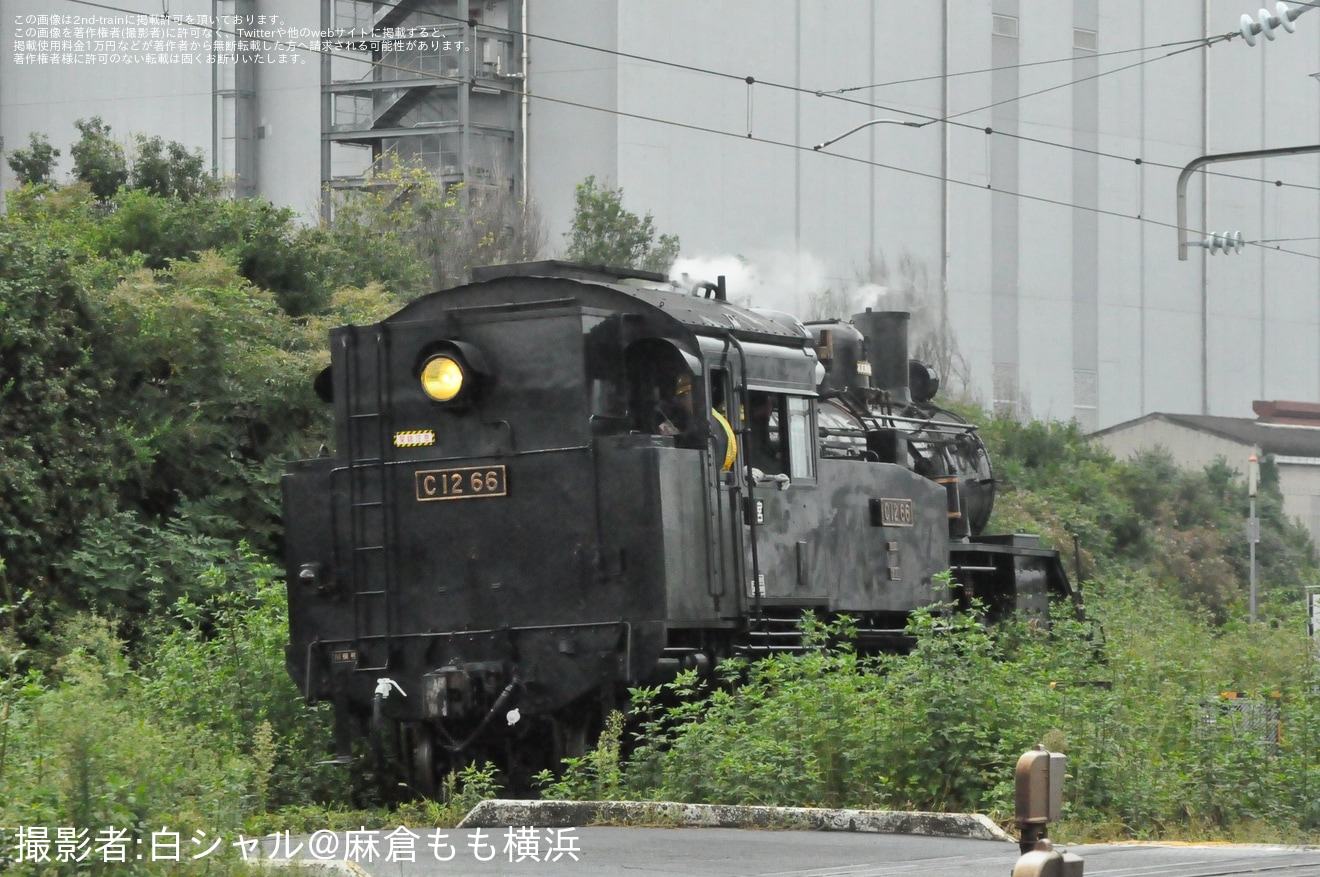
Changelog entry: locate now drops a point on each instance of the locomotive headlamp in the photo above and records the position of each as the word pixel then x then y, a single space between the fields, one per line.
pixel 442 378
pixel 453 374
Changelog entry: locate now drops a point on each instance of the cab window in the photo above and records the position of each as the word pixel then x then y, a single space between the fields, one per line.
pixel 801 463
pixel 774 449
pixel 765 446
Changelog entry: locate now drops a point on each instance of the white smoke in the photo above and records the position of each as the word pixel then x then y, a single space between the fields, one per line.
pixel 869 295
pixel 778 280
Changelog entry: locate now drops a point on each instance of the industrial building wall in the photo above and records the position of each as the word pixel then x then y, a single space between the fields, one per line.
pixel 1040 247
pixel 566 143
pixel 258 121
pixel 1057 310
pixel 1299 482
pixel 48 91
pixel 288 111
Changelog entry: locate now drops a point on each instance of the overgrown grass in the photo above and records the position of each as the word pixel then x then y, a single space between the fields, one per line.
pixel 205 734
pixel 1153 750
pixel 1183 529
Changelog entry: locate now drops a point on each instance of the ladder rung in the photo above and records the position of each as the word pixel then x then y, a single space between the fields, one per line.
pixel 367 477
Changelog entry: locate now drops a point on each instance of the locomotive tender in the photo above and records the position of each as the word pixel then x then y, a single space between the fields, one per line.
pixel 557 482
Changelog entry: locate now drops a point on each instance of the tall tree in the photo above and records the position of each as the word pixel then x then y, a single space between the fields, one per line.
pixel 406 229
pixel 169 169
pixel 150 392
pixel 58 442
pixel 34 165
pixel 604 233
pixel 98 160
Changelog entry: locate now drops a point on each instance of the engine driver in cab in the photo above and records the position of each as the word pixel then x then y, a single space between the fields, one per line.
pixel 673 417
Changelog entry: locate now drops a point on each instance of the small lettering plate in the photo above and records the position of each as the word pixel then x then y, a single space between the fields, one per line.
pixel 469 482
pixel 895 512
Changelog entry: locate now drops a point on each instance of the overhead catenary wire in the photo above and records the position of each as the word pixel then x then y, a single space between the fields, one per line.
pixel 1204 44
pixel 1198 42
pixel 1005 67
pixel 1188 44
pixel 1137 160
pixel 277 44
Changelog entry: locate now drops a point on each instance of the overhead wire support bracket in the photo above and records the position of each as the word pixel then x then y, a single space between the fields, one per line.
pixel 1197 163
pixel 904 122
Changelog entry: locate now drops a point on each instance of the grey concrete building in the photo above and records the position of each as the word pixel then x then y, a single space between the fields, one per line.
pixel 1029 223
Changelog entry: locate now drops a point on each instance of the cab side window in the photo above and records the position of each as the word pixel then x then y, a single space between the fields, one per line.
pixel 779 436
pixel 801 462
pixel 765 447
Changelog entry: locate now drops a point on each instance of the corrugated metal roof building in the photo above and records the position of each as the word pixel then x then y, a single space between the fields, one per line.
pixel 1288 432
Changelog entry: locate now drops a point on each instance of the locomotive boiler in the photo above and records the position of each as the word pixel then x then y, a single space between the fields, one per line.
pixel 557 482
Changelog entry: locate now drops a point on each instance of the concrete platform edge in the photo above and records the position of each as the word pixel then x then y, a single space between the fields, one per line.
pixel 560 814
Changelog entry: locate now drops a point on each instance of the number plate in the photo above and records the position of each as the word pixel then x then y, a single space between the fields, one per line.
pixel 470 482
pixel 896 513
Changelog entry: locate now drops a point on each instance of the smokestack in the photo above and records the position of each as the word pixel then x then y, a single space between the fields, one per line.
pixel 886 334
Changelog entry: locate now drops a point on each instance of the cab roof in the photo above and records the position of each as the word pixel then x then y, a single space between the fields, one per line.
pixel 699 314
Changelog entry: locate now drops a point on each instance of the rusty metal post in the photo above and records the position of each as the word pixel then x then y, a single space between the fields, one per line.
pixel 1038 794
pixel 1045 861
pixel 1038 801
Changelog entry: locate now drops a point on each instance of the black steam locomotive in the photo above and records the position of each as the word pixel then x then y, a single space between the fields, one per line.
pixel 557 482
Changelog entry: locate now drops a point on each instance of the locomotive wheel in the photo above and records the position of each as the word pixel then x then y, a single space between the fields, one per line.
pixel 570 737
pixel 422 767
pixel 577 728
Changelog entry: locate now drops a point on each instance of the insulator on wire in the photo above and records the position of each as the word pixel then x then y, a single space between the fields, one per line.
pixel 1222 242
pixel 1267 22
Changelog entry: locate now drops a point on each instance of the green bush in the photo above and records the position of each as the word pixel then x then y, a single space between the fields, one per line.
pixel 930 729
pixel 219 665
pixel 1153 748
pixel 1147 516
pixel 208 735
pixel 81 751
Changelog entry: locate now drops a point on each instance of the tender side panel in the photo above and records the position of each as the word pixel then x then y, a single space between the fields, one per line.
pixel 865 537
pixel 654 529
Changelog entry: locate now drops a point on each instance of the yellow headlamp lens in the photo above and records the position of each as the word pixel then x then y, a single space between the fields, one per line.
pixel 442 378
